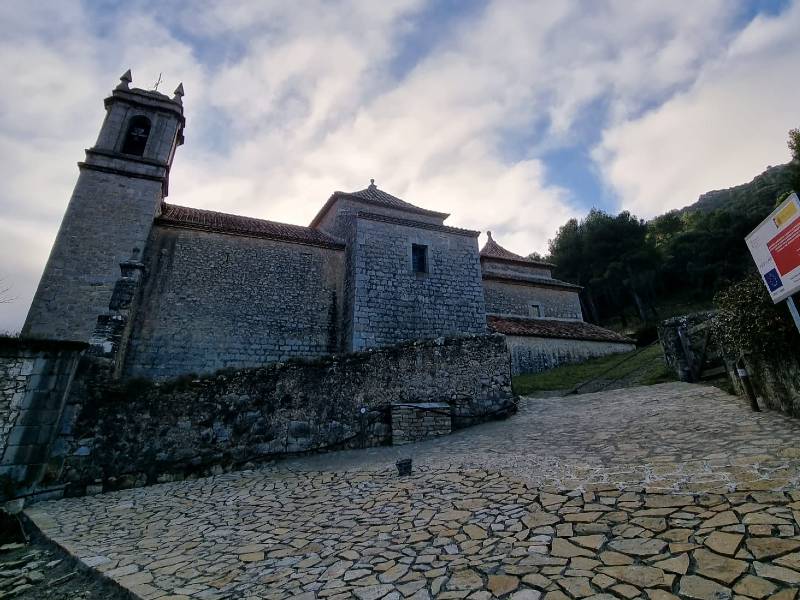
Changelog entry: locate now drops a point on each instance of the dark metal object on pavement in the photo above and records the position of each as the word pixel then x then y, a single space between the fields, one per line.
pixel 404 466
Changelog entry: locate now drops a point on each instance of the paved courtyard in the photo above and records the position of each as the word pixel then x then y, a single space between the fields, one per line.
pixel 640 493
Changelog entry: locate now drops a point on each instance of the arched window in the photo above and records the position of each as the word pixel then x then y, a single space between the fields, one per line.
pixel 136 138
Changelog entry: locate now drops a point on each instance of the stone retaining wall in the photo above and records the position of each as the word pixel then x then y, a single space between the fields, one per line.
pixel 692 350
pixel 776 381
pixel 139 432
pixel 35 377
pixel 536 354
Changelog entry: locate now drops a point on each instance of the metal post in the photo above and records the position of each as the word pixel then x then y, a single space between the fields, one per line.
pixel 793 310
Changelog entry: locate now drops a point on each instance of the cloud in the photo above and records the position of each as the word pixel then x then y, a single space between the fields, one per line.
pixel 286 102
pixel 726 128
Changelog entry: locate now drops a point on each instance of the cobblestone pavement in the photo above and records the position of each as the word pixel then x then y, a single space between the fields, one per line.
pixel 478 518
pixel 674 436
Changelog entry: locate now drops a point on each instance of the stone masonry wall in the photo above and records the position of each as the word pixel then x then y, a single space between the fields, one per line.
pixel 414 422
pixel 107 218
pixel 35 377
pixel 391 303
pixel 136 433
pixel 534 354
pixel 510 299
pixel 776 381
pixel 686 339
pixel 211 301
pixel 775 378
pixel 15 371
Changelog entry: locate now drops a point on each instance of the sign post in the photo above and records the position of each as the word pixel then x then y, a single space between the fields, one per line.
pixel 793 310
pixel 775 247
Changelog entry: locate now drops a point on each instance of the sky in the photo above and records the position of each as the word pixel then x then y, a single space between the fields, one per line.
pixel 512 115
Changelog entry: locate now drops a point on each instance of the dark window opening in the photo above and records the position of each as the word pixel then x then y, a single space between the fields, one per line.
pixel 136 138
pixel 535 311
pixel 419 258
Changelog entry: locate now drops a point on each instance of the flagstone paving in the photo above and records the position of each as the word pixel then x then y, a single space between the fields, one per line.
pixel 486 513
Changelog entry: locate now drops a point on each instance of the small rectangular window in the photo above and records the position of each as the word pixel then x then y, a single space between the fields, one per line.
pixel 419 258
pixel 535 310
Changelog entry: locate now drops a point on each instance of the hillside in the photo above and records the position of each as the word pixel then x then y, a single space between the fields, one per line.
pixel 756 196
pixel 636 272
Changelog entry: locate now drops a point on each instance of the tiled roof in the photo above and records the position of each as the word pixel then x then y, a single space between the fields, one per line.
pixel 208 220
pixel 516 278
pixel 376 197
pixel 492 249
pixel 550 328
pixel 418 224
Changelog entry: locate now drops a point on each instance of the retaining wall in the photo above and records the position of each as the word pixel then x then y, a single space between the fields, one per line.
pixel 139 432
pixel 536 354
pixel 35 378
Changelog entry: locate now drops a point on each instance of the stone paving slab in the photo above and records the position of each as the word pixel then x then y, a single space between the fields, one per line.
pixel 668 437
pixel 463 526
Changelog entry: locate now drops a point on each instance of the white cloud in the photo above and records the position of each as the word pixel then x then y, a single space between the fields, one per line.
pixel 286 102
pixel 726 128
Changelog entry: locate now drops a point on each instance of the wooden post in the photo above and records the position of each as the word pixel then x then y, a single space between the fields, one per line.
pixel 747 386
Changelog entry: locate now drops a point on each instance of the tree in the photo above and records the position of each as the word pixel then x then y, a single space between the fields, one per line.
pixel 794 147
pixel 611 257
pixel 794 143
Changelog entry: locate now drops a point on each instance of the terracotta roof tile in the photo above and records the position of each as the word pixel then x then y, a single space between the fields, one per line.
pixel 375 196
pixel 551 328
pixel 492 249
pixel 208 220
pixel 518 279
pixel 418 224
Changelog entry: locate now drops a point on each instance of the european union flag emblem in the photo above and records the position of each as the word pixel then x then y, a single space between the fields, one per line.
pixel 773 280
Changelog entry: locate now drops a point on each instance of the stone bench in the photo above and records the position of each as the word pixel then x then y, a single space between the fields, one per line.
pixel 414 422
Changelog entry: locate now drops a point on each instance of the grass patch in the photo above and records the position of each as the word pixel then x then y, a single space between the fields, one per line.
pixel 646 368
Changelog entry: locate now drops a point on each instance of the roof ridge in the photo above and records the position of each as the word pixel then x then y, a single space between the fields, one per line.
pixel 377 197
pixel 212 220
pixel 491 249
pixel 554 328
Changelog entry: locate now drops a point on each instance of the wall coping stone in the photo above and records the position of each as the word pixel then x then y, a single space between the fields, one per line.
pixel 421 405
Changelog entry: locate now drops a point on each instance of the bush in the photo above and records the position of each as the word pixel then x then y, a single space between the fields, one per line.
pixel 749 323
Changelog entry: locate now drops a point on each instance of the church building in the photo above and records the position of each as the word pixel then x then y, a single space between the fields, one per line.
pixel 193 291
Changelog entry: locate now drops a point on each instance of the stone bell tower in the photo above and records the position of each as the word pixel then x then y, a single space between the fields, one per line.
pixel 118 194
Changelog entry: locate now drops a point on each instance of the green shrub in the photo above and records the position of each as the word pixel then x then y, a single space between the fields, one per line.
pixel 749 323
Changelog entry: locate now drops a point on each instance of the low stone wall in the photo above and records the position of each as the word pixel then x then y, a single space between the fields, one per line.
pixel 536 354
pixel 776 381
pixel 694 353
pixel 689 347
pixel 415 422
pixel 35 377
pixel 140 432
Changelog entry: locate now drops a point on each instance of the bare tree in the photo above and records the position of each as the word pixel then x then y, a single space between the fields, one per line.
pixel 4 290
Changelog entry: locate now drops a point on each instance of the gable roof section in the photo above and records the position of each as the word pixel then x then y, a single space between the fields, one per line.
pixel 493 250
pixel 517 279
pixel 372 195
pixel 418 224
pixel 209 220
pixel 551 328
